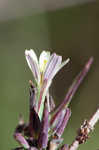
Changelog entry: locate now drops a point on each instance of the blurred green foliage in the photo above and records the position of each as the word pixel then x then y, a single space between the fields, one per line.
pixel 71 32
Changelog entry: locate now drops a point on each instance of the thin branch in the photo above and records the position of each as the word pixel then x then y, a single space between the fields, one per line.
pixel 84 131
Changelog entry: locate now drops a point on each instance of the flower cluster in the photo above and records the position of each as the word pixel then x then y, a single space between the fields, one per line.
pixel 46 123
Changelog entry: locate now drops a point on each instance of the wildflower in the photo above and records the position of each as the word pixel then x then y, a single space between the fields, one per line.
pixel 43 71
pixel 46 67
pixel 46 124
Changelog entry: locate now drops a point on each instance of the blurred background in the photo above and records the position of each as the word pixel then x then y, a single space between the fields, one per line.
pixel 71 29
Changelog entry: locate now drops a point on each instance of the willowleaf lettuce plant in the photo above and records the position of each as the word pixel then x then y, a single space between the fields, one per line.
pixel 46 122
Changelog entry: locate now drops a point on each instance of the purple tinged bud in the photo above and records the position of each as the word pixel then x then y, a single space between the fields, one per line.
pixel 57 120
pixel 73 88
pixel 64 122
pixel 64 147
pixel 34 123
pixel 21 140
pixel 43 136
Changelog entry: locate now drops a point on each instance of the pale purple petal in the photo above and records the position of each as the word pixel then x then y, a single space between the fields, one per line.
pixel 49 64
pixel 53 64
pixel 60 66
pixel 33 65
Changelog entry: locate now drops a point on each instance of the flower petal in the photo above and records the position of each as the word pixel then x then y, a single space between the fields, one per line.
pixel 43 60
pixel 33 63
pixel 59 66
pixel 32 54
pixel 51 67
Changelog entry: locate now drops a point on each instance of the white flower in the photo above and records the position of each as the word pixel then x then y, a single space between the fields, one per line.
pixel 46 67
pixel 43 71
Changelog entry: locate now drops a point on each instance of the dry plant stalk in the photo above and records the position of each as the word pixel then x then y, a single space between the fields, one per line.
pixel 46 122
pixel 84 130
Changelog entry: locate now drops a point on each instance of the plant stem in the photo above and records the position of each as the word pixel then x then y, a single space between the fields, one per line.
pixel 84 130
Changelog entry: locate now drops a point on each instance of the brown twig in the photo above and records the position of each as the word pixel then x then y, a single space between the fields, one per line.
pixel 84 130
